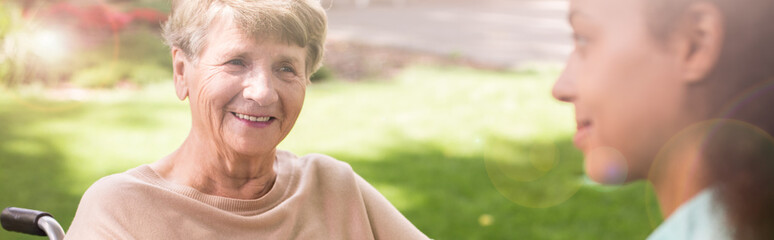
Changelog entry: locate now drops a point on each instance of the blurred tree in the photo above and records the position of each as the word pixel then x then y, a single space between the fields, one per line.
pixel 81 42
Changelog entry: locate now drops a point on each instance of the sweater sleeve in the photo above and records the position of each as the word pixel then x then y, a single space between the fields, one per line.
pixel 97 216
pixel 386 221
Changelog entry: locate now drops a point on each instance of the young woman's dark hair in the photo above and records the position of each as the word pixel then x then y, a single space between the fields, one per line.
pixel 740 88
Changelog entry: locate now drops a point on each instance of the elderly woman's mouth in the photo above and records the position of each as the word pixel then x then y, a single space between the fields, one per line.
pixel 254 119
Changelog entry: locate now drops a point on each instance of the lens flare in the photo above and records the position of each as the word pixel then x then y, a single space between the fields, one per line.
pixel 748 96
pixel 49 44
pixel 692 139
pixel 521 172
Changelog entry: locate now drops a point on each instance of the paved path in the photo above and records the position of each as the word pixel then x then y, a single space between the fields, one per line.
pixel 501 32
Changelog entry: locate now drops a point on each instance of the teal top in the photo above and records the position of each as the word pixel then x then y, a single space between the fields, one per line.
pixel 701 218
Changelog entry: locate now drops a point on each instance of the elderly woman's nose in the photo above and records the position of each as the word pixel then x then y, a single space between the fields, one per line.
pixel 564 88
pixel 259 88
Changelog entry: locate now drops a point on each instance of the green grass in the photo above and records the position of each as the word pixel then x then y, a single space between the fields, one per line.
pixel 463 153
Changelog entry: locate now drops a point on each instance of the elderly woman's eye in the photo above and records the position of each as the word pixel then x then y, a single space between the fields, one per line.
pixel 287 69
pixel 287 73
pixel 237 62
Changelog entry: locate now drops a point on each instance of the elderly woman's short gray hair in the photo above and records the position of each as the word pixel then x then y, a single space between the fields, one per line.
pixel 301 22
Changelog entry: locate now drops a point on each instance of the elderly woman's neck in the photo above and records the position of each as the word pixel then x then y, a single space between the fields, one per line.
pixel 201 167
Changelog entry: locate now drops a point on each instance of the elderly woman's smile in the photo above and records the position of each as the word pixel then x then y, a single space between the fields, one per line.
pixel 250 119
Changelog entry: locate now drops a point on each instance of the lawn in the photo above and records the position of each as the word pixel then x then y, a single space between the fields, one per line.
pixel 463 153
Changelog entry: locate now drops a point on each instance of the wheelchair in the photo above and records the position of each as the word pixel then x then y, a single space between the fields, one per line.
pixel 32 222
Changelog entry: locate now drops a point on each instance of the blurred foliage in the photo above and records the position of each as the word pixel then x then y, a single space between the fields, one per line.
pixel 5 19
pixel 162 6
pixel 100 75
pixel 322 74
pixel 8 15
pixel 135 55
pixel 149 73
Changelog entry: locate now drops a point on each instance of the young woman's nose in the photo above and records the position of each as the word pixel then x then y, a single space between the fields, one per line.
pixel 564 87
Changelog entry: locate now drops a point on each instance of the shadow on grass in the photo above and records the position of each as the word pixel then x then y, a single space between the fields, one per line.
pixel 32 171
pixel 452 196
pixel 447 194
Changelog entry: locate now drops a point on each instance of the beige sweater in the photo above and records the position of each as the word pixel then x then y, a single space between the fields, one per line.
pixel 314 197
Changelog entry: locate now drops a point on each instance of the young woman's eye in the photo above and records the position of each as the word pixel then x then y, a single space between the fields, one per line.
pixel 580 40
pixel 581 43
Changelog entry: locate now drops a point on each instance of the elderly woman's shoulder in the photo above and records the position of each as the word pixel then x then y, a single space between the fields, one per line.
pixel 112 182
pixel 314 159
pixel 111 196
pixel 117 187
pixel 317 163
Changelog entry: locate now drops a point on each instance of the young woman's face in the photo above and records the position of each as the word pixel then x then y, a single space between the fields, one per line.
pixel 624 84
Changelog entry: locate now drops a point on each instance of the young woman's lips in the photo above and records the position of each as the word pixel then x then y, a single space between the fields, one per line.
pixel 254 121
pixel 582 134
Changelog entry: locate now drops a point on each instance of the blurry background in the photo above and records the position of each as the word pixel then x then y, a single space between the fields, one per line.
pixel 443 105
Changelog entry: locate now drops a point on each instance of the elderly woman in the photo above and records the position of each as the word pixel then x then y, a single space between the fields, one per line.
pixel 679 93
pixel 244 66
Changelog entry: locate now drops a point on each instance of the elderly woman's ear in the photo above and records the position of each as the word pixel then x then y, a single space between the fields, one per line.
pixel 179 61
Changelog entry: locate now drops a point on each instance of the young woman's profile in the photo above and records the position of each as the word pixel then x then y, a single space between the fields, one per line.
pixel 680 93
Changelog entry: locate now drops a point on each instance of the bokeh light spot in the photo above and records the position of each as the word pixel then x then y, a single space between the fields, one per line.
pixel 607 166
pixel 485 220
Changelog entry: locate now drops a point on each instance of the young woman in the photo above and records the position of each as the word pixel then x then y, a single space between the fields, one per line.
pixel 680 93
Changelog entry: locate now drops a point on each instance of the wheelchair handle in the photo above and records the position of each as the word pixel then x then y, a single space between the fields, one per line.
pixel 31 222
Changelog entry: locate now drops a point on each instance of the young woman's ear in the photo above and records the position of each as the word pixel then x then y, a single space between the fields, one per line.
pixel 700 34
pixel 179 64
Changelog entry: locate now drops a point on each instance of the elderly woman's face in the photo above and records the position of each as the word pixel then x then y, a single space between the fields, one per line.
pixel 245 93
pixel 624 85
